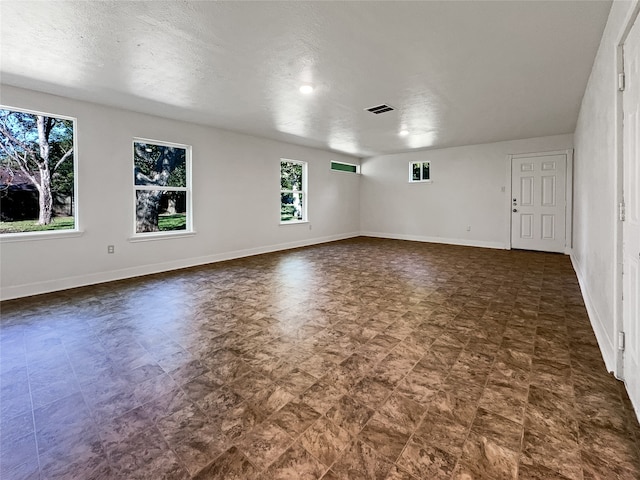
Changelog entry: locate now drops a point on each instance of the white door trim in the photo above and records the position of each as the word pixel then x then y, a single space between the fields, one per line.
pixel 568 244
pixel 617 231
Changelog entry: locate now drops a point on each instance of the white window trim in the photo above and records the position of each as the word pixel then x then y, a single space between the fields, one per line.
pixel 76 231
pixel 151 236
pixel 411 164
pixel 294 222
pixel 189 231
pixel 44 235
pixel 304 191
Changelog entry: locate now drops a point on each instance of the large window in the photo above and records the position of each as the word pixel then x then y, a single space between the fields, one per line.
pixel 37 172
pixel 419 172
pixel 162 173
pixel 293 191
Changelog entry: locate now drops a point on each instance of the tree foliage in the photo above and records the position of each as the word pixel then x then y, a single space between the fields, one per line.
pixel 160 165
pixel 290 176
pixel 41 148
pixel 290 191
pixel 157 166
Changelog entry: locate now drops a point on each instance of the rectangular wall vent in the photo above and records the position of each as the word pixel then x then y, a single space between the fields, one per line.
pixel 378 109
pixel 345 167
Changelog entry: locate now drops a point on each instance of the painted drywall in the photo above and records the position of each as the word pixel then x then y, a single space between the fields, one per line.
pixel 595 197
pixel 466 191
pixel 235 200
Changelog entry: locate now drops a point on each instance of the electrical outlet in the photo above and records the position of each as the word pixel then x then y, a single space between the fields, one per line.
pixel 468 228
pixel 111 249
pixel 309 226
pixel 502 189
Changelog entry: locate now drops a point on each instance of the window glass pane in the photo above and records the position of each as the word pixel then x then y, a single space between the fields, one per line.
pixel 416 171
pixel 36 173
pixel 425 171
pixel 160 211
pixel 291 206
pixel 290 176
pixel 344 167
pixel 159 165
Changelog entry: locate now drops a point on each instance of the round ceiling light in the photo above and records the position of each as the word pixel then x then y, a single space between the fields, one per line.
pixel 306 89
pixel 403 133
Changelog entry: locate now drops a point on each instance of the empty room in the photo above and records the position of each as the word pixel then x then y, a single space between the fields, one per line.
pixel 319 240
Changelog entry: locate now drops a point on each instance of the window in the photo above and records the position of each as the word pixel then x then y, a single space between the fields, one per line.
pixel 419 172
pixel 345 167
pixel 37 172
pixel 293 191
pixel 162 179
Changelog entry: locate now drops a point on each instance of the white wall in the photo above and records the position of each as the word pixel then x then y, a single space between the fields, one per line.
pixel 466 191
pixel 595 197
pixel 235 200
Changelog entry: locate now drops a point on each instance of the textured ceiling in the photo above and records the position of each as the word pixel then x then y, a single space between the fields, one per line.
pixel 458 73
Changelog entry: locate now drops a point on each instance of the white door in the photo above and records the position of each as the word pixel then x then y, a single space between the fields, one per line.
pixel 538 185
pixel 631 225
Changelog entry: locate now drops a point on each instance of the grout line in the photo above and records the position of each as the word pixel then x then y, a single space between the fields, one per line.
pixel 33 414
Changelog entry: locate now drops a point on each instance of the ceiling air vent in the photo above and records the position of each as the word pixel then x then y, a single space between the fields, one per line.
pixel 378 109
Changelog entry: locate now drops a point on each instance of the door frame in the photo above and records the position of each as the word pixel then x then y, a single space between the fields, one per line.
pixel 618 320
pixel 568 209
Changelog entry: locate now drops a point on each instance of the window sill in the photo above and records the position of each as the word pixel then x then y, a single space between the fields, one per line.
pixel 149 237
pixel 298 222
pixel 35 236
pixel 420 181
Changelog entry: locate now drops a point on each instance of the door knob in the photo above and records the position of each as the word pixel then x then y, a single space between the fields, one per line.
pixel 515 210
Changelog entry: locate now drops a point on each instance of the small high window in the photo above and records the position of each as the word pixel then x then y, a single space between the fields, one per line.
pixel 37 172
pixel 419 172
pixel 162 180
pixel 293 191
pixel 345 167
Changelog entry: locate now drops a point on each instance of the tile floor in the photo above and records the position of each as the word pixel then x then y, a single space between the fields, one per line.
pixel 361 359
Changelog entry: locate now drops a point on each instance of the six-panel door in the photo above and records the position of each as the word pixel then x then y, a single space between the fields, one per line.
pixel 538 202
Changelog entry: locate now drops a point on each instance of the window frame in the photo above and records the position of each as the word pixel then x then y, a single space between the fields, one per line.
pixel 421 163
pixel 355 172
pixel 304 192
pixel 188 230
pixel 76 231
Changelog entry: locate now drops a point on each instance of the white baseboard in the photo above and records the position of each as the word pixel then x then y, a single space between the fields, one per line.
pixel 449 241
pixel 37 288
pixel 605 342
